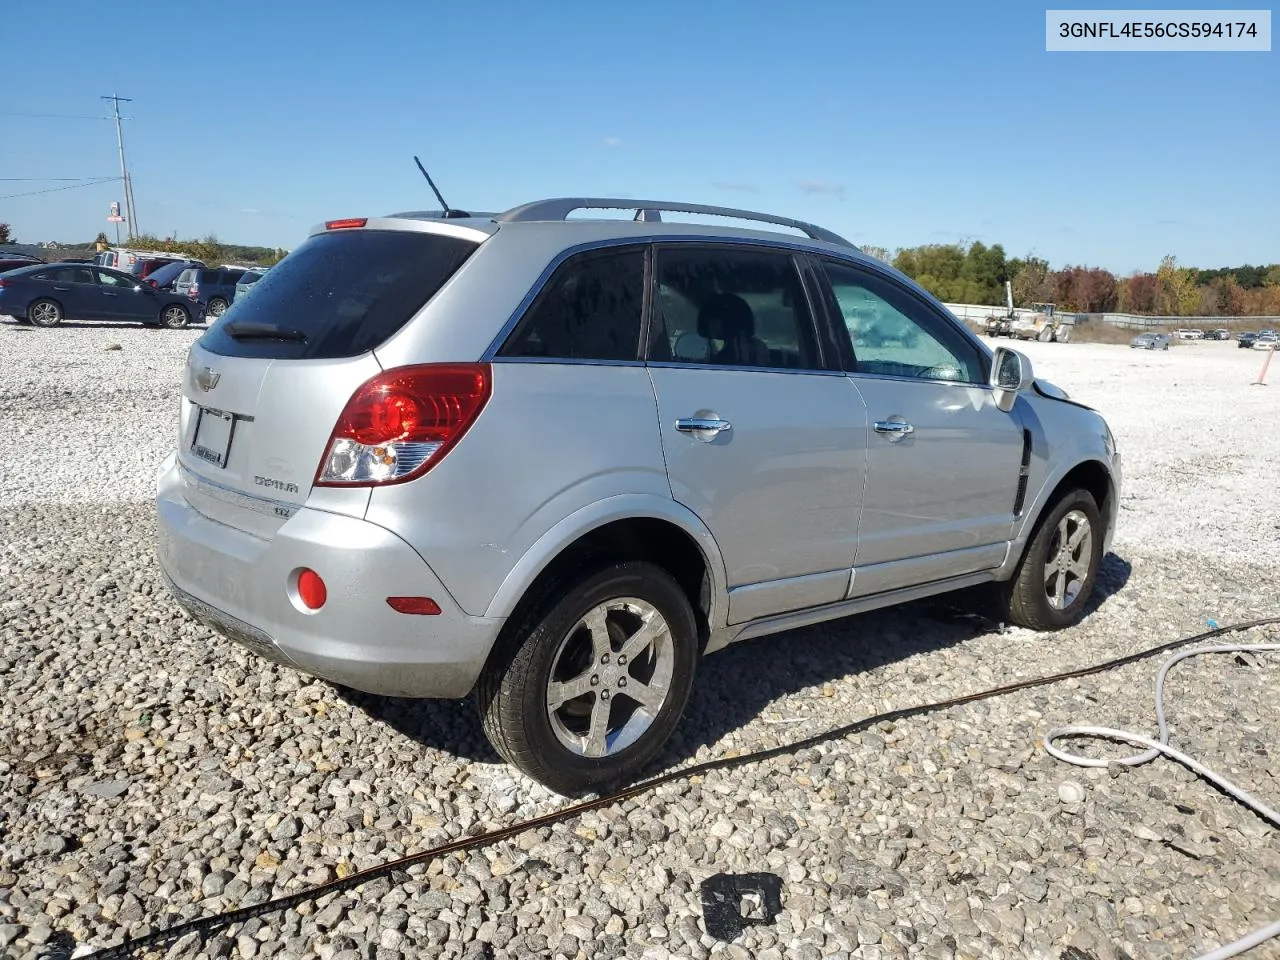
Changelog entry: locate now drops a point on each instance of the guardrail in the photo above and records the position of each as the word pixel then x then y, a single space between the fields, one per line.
pixel 977 313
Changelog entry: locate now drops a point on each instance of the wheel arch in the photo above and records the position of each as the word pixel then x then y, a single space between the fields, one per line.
pixel 1091 475
pixel 624 527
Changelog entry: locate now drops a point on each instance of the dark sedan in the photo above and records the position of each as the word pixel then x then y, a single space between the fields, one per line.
pixel 12 261
pixel 46 294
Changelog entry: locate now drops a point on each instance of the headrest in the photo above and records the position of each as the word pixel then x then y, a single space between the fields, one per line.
pixel 726 316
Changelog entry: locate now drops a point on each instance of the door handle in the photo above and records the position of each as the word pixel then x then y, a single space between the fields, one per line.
pixel 108 293
pixel 63 289
pixel 894 429
pixel 703 425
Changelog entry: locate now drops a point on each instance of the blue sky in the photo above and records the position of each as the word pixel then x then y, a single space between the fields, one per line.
pixel 894 124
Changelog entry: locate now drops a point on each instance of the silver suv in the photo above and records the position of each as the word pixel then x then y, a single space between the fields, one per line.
pixel 551 461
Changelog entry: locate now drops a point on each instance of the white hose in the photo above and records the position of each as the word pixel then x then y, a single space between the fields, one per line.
pixel 1161 746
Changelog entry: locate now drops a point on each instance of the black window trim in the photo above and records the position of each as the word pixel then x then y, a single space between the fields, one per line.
pixel 797 247
pixel 827 365
pixel 835 320
pixel 542 289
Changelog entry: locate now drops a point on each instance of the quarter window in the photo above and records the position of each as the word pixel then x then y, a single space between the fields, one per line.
pixel 894 334
pixel 731 307
pixel 590 309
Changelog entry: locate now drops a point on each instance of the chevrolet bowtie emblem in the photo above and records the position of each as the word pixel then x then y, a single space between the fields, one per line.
pixel 206 379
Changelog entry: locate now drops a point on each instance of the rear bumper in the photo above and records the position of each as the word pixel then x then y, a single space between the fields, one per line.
pixel 240 585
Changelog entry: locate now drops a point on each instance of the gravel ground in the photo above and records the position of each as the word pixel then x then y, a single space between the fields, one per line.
pixel 155 771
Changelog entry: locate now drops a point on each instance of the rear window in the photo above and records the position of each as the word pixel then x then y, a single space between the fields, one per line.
pixel 346 292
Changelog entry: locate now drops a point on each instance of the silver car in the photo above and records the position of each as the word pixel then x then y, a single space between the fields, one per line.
pixel 551 461
pixel 1150 341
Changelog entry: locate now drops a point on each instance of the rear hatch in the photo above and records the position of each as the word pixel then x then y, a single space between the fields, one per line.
pixel 266 384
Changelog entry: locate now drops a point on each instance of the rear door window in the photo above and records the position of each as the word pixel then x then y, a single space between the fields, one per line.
pixel 732 306
pixel 340 294
pixel 71 275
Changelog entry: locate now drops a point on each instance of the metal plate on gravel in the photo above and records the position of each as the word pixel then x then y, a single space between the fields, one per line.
pixel 212 441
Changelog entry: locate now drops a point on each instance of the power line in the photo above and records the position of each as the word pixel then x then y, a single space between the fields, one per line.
pixel 74 186
pixel 56 116
pixel 49 179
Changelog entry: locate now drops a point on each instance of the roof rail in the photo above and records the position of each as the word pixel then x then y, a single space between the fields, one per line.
pixel 651 211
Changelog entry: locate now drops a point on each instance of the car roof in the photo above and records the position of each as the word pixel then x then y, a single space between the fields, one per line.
pixel 647 222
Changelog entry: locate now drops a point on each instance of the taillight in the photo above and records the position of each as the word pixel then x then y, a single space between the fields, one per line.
pixel 402 422
pixel 347 224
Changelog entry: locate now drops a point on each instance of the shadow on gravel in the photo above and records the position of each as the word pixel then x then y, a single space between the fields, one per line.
pixel 1113 574
pixel 452 726
pixel 736 685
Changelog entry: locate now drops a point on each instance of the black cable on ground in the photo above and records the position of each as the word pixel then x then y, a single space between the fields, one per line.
pixel 210 924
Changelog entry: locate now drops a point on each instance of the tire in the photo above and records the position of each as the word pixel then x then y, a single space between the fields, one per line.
pixel 1041 600
pixel 44 313
pixel 552 645
pixel 174 316
pixel 217 307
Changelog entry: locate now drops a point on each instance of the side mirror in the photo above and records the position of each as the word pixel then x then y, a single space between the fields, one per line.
pixel 1010 375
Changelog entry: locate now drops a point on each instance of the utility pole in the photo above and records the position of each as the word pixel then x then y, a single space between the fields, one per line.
pixel 131 213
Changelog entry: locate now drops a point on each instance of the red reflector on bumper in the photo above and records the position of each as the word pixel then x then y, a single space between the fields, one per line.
pixel 311 590
pixel 420 605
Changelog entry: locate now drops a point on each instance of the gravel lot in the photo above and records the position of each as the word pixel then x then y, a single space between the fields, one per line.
pixel 154 771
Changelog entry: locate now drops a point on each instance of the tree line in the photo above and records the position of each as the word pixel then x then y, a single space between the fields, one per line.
pixel 208 249
pixel 976 273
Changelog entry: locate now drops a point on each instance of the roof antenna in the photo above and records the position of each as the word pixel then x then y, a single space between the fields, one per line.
pixel 445 208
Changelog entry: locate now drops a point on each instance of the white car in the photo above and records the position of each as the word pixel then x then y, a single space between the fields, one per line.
pixel 1189 334
pixel 1266 343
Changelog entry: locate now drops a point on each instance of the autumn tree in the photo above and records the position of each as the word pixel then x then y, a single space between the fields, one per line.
pixel 1031 282
pixel 1137 293
pixel 1176 294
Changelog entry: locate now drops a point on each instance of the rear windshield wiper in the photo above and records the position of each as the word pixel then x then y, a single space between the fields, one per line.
pixel 249 330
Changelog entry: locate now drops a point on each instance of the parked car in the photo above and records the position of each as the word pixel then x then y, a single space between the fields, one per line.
pixel 550 460
pixel 46 294
pixel 12 261
pixel 1265 342
pixel 1150 341
pixel 144 267
pixel 165 277
pixel 1189 334
pixel 247 281
pixel 126 259
pixel 1245 340
pixel 1220 334
pixel 213 287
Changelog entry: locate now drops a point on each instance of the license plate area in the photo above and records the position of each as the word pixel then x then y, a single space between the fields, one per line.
pixel 213 434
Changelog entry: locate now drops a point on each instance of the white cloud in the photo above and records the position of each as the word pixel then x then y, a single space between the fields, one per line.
pixel 821 186
pixel 611 142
